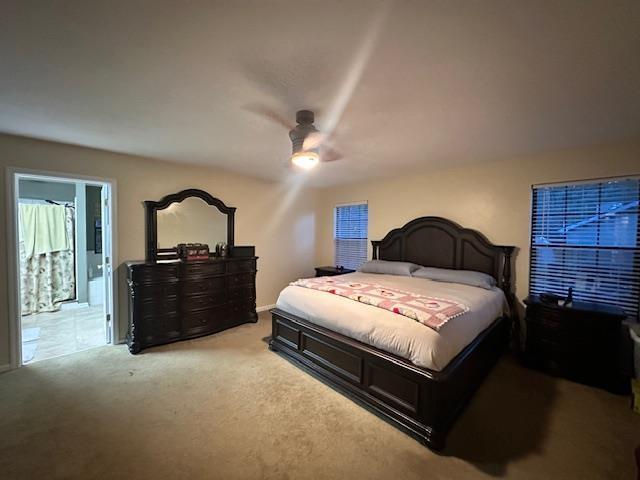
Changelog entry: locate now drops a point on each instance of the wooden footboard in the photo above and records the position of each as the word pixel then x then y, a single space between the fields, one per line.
pixel 422 402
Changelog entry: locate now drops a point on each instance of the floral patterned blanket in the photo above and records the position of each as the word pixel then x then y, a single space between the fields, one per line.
pixel 430 311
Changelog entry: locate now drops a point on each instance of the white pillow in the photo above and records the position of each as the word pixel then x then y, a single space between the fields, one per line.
pixel 465 277
pixel 388 268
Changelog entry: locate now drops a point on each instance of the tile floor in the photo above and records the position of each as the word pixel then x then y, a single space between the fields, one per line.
pixel 47 335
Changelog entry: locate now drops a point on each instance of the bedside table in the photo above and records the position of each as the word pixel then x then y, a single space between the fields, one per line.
pixel 580 342
pixel 331 271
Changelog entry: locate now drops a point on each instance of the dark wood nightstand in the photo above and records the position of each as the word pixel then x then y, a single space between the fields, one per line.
pixel 580 342
pixel 331 271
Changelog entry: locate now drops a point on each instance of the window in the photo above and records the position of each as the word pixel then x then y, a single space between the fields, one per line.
pixel 350 234
pixel 586 236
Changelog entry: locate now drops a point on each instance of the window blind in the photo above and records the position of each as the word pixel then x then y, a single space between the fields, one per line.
pixel 350 234
pixel 587 236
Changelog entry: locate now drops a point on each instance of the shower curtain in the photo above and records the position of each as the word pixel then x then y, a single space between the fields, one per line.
pixel 47 264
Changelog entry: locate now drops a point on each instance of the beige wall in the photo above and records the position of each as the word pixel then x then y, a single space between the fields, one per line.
pixel 291 226
pixel 278 219
pixel 493 198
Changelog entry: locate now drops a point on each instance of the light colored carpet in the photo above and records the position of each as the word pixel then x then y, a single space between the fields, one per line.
pixel 225 407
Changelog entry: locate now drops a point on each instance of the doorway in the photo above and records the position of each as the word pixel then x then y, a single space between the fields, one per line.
pixel 62 252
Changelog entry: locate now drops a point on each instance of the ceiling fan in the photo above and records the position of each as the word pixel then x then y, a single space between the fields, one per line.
pixel 309 146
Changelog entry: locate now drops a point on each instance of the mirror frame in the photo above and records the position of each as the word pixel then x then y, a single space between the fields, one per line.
pixel 151 220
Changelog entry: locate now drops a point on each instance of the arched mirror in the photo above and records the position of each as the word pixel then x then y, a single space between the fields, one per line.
pixel 189 216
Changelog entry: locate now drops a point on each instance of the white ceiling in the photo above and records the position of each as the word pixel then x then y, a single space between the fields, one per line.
pixel 404 85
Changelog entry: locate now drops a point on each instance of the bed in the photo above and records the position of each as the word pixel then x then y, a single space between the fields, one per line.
pixel 420 387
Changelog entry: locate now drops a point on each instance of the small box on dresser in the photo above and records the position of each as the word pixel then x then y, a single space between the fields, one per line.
pixel 178 300
pixel 580 342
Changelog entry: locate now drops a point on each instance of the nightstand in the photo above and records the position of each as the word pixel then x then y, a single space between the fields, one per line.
pixel 580 342
pixel 331 271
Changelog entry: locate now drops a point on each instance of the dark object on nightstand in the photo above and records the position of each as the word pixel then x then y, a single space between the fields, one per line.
pixel 331 271
pixel 580 342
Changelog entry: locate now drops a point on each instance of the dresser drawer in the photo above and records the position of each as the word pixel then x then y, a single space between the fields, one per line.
pixel 202 285
pixel 544 314
pixel 151 308
pixel 549 346
pixel 239 279
pixel 241 312
pixel 160 327
pixel 204 320
pixel 242 293
pixel 154 273
pixel 204 269
pixel 555 331
pixel 242 266
pixel 243 306
pixel 152 292
pixel 190 303
pixel 568 333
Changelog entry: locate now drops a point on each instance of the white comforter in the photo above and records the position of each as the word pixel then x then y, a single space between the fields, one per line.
pixel 395 333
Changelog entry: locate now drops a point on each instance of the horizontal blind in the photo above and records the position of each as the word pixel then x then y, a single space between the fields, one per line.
pixel 587 236
pixel 350 235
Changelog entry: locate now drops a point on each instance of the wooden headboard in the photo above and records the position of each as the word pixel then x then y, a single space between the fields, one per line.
pixel 438 242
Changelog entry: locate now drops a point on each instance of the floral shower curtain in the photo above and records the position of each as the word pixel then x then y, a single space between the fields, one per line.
pixel 47 264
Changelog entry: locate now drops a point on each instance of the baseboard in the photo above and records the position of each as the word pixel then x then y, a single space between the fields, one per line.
pixel 264 308
pixel 5 368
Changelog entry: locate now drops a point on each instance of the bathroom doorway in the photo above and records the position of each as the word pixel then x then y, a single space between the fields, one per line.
pixel 64 280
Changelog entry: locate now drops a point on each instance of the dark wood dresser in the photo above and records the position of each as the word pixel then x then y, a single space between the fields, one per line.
pixel 178 300
pixel 580 342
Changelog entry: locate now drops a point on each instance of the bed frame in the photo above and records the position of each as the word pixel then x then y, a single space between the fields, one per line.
pixel 422 402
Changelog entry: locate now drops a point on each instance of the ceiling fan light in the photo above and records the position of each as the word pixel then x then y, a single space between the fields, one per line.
pixel 305 159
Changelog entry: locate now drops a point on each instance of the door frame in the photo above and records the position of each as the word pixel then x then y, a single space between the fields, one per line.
pixel 13 174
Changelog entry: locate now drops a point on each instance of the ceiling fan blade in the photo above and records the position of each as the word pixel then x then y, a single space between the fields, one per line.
pixel 330 155
pixel 270 114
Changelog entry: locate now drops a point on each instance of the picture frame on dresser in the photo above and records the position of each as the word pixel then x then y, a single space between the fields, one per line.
pixel 172 299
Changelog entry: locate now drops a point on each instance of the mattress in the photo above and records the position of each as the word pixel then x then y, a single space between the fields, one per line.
pixel 395 333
